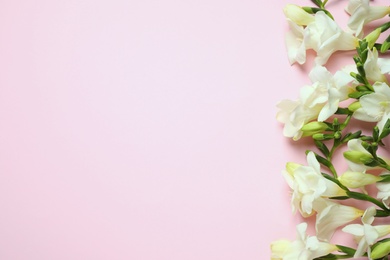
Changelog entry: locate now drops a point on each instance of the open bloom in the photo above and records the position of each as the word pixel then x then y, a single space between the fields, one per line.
pixel 318 32
pixel 318 101
pixel 362 13
pixel 303 248
pixel 296 49
pixel 374 67
pixel 334 87
pixel 375 107
pixel 296 18
pixel 309 185
pixel 366 234
pixel 331 216
pixel 326 37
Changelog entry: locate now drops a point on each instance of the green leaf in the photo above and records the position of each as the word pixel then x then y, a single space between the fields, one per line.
pixel 343 111
pixel 375 133
pixel 322 147
pixel 386 130
pixel 346 250
pixel 351 136
pixel 317 3
pixel 385 45
pixel 323 161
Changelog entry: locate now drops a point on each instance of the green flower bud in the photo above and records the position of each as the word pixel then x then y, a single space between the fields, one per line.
pixel 314 128
pixel 322 137
pixel 380 250
pixel 358 157
pixel 354 106
pixel 372 37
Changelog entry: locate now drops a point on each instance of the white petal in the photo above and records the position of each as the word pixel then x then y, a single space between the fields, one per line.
pixel 354 229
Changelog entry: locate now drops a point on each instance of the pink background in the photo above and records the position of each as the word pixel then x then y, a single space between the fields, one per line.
pixel 143 130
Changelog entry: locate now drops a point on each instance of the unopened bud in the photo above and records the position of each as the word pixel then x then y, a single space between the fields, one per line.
pixel 297 14
pixel 354 106
pixel 372 37
pixel 314 128
pixel 380 250
pixel 357 179
pixel 322 137
pixel 358 157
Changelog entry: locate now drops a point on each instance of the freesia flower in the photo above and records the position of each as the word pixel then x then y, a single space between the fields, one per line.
pixel 318 32
pixel 296 49
pixel 295 114
pixel 309 185
pixel 384 191
pixel 362 13
pixel 303 248
pixel 337 87
pixel 375 106
pixel 366 234
pixel 318 101
pixel 326 37
pixel 384 65
pixel 373 68
pixel 331 216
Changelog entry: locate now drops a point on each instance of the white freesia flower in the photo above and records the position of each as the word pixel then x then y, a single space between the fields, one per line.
pixel 384 65
pixel 296 49
pixel 318 101
pixel 309 185
pixel 375 107
pixel 303 248
pixel 373 68
pixel 318 32
pixel 366 234
pixel 356 155
pixel 331 216
pixel 326 37
pixel 295 114
pixel 384 191
pixel 362 13
pixel 336 88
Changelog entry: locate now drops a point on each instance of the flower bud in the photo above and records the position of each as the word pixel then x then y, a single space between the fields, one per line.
pixel 314 128
pixel 357 179
pixel 354 106
pixel 297 14
pixel 372 37
pixel 279 248
pixel 380 250
pixel 358 157
pixel 322 137
pixel 291 167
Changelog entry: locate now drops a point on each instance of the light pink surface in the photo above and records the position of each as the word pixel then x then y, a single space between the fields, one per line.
pixel 143 130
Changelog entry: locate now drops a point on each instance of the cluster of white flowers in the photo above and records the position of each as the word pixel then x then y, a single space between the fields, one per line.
pixel 359 92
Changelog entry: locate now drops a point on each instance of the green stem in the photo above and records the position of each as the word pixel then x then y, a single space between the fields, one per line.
pixel 365 197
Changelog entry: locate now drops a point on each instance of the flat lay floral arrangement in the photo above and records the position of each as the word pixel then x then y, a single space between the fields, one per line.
pixel 346 117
